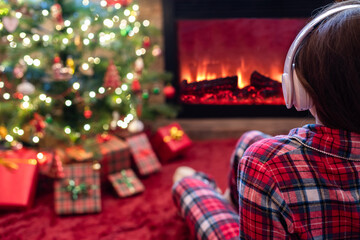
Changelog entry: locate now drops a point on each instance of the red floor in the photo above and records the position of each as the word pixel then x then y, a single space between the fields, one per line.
pixel 150 215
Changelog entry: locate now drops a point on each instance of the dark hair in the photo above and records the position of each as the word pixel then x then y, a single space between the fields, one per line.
pixel 328 66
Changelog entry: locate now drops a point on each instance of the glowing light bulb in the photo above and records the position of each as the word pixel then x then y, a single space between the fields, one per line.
pixel 18 15
pixel 65 41
pixel 135 7
pixel 85 66
pixel 124 87
pixel 101 90
pixel 22 35
pixel 46 38
pixel 118 91
pixel 37 62
pixel 20 132
pixel 40 155
pixel 10 37
pixel 69 30
pixel 87 127
pixel 127 12
pixel 26 42
pixel 26 98
pixel 108 23
pixel 36 139
pixel 103 3
pixel 118 100
pixel 129 76
pixel 9 138
pixel 85 2
pixel 42 97
pixel 86 41
pixel 45 12
pixel 36 37
pixel 67 23
pixel 48 100
pixel 117 6
pixel 68 103
pixel 146 23
pixel 76 86
pixel 67 130
pixel 92 94
pixel 91 36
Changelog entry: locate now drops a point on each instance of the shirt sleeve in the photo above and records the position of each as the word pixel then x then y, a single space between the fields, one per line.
pixel 263 212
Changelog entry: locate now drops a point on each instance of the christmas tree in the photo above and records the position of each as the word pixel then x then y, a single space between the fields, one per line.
pixel 74 68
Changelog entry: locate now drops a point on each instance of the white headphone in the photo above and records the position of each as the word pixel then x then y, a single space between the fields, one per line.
pixel 293 91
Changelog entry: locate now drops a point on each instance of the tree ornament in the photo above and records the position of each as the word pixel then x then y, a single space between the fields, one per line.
pixel 3 132
pixel 48 119
pixel 156 51
pixel 135 86
pixel 87 112
pixel 121 2
pixel 38 123
pixel 145 95
pixel 169 92
pixel 139 65
pixel 20 69
pixel 10 23
pixel 25 88
pixel 146 42
pixel 70 64
pixel 4 8
pixel 56 13
pixel 112 77
pixel 136 126
pixel 156 90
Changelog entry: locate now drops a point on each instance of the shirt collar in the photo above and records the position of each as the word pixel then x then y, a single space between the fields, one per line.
pixel 335 141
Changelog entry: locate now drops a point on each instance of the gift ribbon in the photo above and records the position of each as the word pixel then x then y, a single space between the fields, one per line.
pixel 175 134
pixel 127 180
pixel 76 190
pixel 13 163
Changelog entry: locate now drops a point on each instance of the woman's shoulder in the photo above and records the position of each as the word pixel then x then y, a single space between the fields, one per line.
pixel 272 147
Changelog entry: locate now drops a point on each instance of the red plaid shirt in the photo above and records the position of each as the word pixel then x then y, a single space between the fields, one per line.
pixel 303 185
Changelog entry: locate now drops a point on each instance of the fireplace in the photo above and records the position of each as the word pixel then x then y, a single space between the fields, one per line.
pixel 227 56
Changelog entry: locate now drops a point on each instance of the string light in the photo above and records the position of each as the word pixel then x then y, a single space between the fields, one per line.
pixel 101 90
pixel 92 94
pixel 42 97
pixel 9 138
pixel 67 23
pixel 118 91
pixel 45 12
pixel 46 38
pixel 68 103
pixel 135 7
pixel 146 23
pixel 124 87
pixel 48 100
pixel 117 6
pixel 127 12
pixel 87 127
pixel 36 37
pixel 118 100
pixel 76 86
pixel 103 3
pixel 67 130
pixel 18 15
pixel 69 30
pixel 22 35
pixel 129 76
pixel 36 139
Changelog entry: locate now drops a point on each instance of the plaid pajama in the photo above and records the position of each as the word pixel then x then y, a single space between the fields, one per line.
pixel 304 185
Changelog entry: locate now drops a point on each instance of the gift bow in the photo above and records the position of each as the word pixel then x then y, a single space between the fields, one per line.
pixel 175 134
pixel 127 180
pixel 13 163
pixel 76 190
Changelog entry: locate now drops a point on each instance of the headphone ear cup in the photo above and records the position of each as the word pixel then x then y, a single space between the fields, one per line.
pixel 287 87
pixel 301 100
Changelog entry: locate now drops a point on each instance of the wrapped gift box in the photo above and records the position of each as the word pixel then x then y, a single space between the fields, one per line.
pixel 18 179
pixel 170 141
pixel 144 157
pixel 79 191
pixel 115 154
pixel 126 183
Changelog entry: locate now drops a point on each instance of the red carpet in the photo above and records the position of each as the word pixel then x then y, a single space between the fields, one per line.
pixel 150 215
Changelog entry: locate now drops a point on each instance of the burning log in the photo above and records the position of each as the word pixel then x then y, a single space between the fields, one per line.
pixel 260 81
pixel 210 86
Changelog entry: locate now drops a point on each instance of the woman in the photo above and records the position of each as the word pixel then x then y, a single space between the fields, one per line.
pixel 304 185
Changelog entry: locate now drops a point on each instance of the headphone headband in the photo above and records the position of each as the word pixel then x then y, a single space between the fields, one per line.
pixel 289 73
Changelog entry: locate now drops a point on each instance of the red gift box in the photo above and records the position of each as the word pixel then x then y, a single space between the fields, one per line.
pixel 170 141
pixel 126 183
pixel 115 154
pixel 79 191
pixel 18 179
pixel 143 154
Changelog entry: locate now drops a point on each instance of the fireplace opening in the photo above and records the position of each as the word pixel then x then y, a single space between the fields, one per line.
pixel 234 61
pixel 227 56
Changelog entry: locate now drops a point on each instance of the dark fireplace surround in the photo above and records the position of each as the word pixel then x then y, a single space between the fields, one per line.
pixel 179 10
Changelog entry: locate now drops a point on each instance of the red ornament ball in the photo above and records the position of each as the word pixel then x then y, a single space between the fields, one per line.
pixel 122 2
pixel 169 92
pixel 57 59
pixel 87 114
pixel 146 42
pixel 135 85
